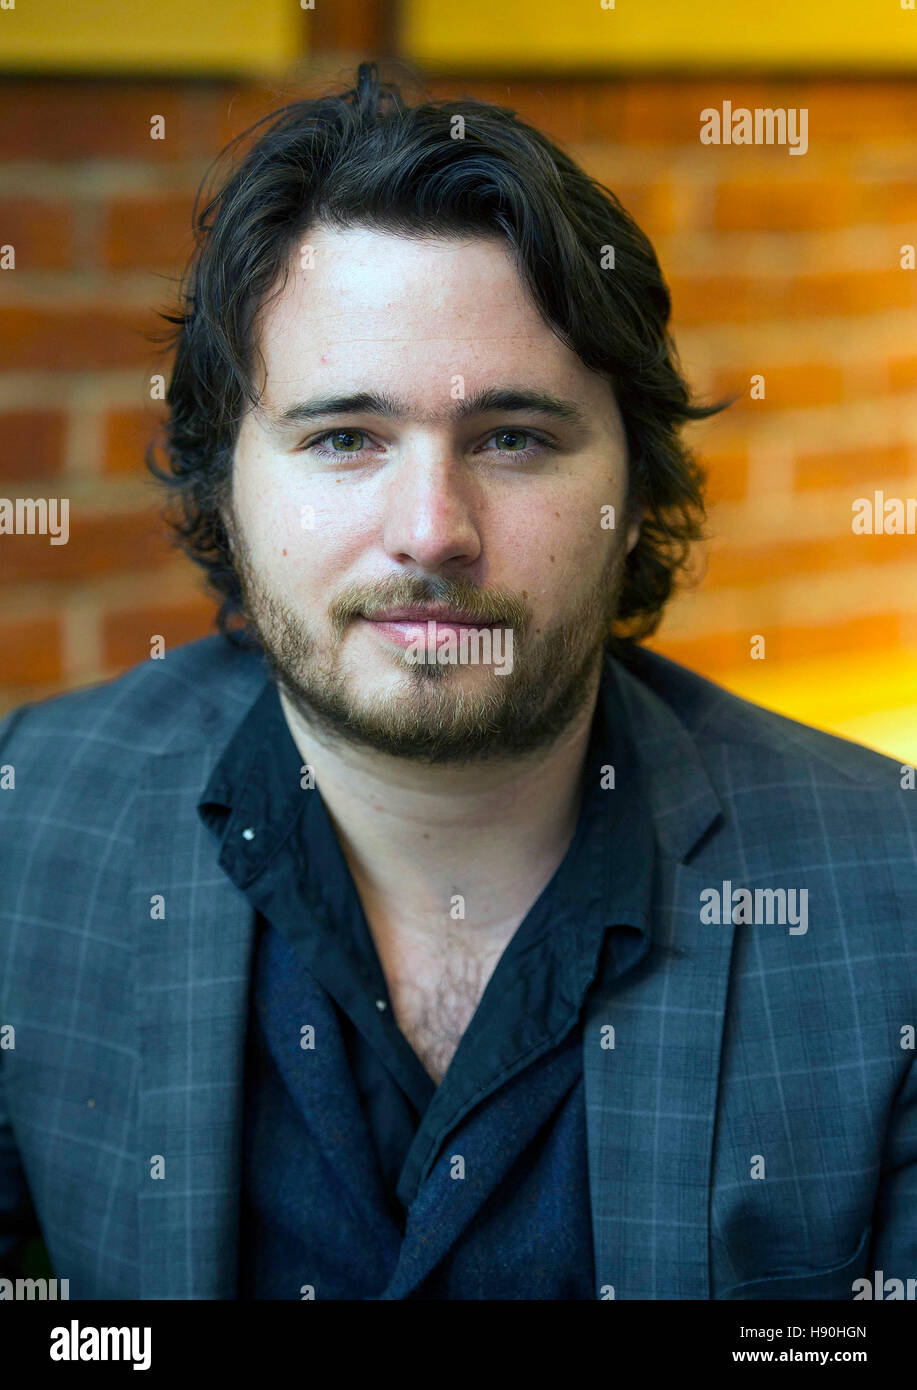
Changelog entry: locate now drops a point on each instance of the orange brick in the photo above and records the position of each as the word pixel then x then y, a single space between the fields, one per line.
pixel 895 202
pixel 861 470
pixel 877 632
pixel 97 545
pixel 31 649
pixel 669 109
pixel 126 435
pixel 699 299
pixel 348 26
pixel 31 443
pixel 781 204
pixel 75 338
pixel 785 388
pixel 44 118
pixel 727 474
pixel 40 231
pixel 228 111
pixel 126 634
pixel 566 109
pixel 856 110
pixel 758 564
pixel 902 374
pixel 148 233
pixel 715 654
pixel 853 292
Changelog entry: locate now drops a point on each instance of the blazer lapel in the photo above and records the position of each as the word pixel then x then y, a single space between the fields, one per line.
pixel 651 1103
pixel 651 1099
pixel 194 961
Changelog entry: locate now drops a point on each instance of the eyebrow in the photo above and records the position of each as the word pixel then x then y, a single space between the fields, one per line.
pixel 388 406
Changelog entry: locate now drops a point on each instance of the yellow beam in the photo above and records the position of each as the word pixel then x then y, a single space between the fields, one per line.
pixel 868 698
pixel 545 34
pixel 155 36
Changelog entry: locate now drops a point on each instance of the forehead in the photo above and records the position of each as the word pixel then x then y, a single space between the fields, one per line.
pixel 398 284
pixel 363 308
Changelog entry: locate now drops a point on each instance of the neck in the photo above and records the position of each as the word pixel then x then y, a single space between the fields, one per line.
pixel 415 836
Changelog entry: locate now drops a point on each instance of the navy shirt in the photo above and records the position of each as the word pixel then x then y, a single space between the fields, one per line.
pixel 361 1177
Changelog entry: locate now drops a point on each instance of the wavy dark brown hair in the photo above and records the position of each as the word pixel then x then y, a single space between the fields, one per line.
pixel 365 157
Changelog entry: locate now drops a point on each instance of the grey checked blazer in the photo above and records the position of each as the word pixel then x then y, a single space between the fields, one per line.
pixel 740 1048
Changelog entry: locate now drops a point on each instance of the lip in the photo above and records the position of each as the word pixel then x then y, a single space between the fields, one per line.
pixel 405 631
pixel 423 615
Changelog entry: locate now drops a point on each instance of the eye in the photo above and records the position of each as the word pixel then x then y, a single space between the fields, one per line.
pixel 342 442
pixel 513 441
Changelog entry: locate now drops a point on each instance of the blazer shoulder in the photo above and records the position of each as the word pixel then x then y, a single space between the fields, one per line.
pixel 189 696
pixel 714 716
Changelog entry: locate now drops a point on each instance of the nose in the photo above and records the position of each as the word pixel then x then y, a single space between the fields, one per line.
pixel 429 514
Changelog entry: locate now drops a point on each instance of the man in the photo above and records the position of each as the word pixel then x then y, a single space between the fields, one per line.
pixel 421 935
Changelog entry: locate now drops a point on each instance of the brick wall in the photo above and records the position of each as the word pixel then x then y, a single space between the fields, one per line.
pixel 779 265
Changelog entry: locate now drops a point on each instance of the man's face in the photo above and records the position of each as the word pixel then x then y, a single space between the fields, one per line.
pixel 424 494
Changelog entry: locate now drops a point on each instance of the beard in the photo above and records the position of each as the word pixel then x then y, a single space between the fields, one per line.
pixel 433 716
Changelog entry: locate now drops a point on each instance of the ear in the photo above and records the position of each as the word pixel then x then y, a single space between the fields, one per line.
pixel 633 530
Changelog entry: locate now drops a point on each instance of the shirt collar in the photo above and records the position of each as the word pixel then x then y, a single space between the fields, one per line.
pixel 254 800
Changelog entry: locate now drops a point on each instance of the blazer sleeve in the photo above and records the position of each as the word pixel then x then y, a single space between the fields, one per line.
pixel 18 1221
pixel 894 1231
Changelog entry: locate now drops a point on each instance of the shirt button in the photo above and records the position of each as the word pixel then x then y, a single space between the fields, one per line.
pixel 380 1004
pixel 248 833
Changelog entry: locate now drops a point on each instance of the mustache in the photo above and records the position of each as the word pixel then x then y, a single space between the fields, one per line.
pixel 497 606
pixel 485 605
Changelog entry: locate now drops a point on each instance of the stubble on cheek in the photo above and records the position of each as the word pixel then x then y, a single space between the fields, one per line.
pixel 436 716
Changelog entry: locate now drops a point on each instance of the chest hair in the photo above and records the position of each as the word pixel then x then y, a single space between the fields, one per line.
pixel 435 1001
